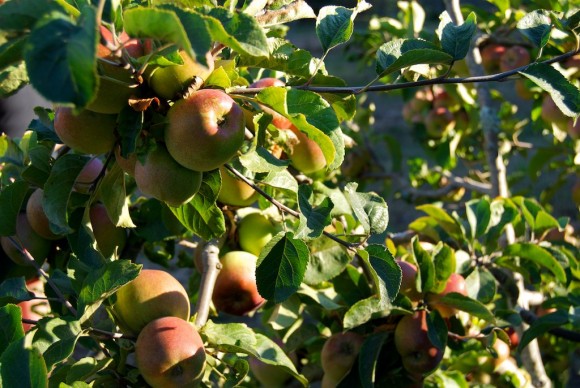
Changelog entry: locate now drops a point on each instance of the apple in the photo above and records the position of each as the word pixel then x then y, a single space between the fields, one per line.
pixel 255 231
pixel 412 342
pixel 438 122
pixel 278 120
pixel 88 175
pixel 271 376
pixel 408 280
pixel 152 294
pixel 235 291
pixel 169 353
pixel 338 355
pixel 514 57
pixel 205 130
pixel 502 350
pixel 234 191
pixel 133 47
pixel 126 164
pixel 491 55
pixel 169 82
pixel 36 245
pixel 552 114
pixel 455 283
pixel 110 238
pixel 306 155
pixel 37 217
pixel 34 309
pixel 573 129
pixel 166 180
pixel 87 132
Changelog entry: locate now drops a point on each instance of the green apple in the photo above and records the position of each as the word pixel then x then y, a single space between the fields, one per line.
pixel 86 132
pixel 234 191
pixel 110 238
pixel 35 244
pixel 37 217
pixel 255 230
pixel 306 155
pixel 152 294
pixel 338 355
pixel 205 130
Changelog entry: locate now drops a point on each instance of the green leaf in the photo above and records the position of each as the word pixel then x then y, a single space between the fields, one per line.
pixel 281 267
pixel 401 53
pixel 456 40
pixel 11 199
pixel 59 336
pixel 115 198
pixel 327 260
pixel 85 368
pixel 298 10
pixel 61 58
pixel 368 358
pixel 201 215
pixel 444 262
pixel 437 330
pixel 536 26
pixel 370 209
pixel 313 219
pixel 21 366
pixel 362 311
pixel 478 213
pixel 22 15
pixel 282 180
pixel 470 306
pixel 102 283
pixel 58 188
pixel 11 51
pixel 426 267
pixel 11 329
pixel 12 79
pixel 129 125
pixel 539 256
pixel 563 92
pixel 270 353
pixel 544 221
pixel 387 270
pixel 447 223
pixel 260 160
pixel 481 285
pixel 335 25
pixel 542 325
pixel 13 290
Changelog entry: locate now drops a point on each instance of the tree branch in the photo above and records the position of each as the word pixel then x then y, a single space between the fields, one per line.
pixel 211 268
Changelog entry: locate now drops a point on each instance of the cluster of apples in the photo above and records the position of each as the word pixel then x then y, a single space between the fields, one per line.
pixel 155 307
pixel 437 111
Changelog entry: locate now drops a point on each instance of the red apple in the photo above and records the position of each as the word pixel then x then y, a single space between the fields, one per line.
pixel 126 164
pixel 235 289
pixel 86 132
pixel 408 280
pixel 514 57
pixel 34 309
pixel 490 56
pixel 152 294
pixel 438 122
pixel 37 217
pixel 88 175
pixel 338 355
pixel 205 130
pixel 169 353
pixel 455 283
pixel 573 129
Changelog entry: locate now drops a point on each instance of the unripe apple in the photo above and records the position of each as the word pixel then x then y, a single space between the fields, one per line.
pixel 490 56
pixel 412 342
pixel 235 192
pixel 152 294
pixel 438 122
pixel 88 175
pixel 205 130
pixel 455 283
pixel 338 355
pixel 408 280
pixel 166 180
pixel 514 57
pixel 235 290
pixel 170 81
pixel 87 132
pixel 36 245
pixel 255 231
pixel 278 120
pixel 37 217
pixel 110 238
pixel 169 353
pixel 306 155
pixel 34 309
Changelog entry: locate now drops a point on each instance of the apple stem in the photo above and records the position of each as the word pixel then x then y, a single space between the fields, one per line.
pixel 211 268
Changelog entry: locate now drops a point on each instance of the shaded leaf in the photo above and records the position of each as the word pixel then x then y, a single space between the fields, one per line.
pixel 11 199
pixel 542 325
pixel 470 306
pixel 313 219
pixel 335 25
pixel 13 290
pixel 21 366
pixel 456 40
pixel 538 255
pixel 370 209
pixel 536 26
pixel 401 53
pixel 11 329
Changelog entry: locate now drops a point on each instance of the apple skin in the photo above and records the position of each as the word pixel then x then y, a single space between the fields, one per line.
pixel 438 122
pixel 110 238
pixel 455 283
pixel 169 353
pixel 254 232
pixel 87 132
pixel 170 81
pixel 491 55
pixel 36 245
pixel 514 57
pixel 306 155
pixel 88 175
pixel 166 180
pixel 408 280
pixel 573 129
pixel 235 290
pixel 235 192
pixel 412 342
pixel 37 217
pixel 34 309
pixel 152 294
pixel 338 355
pixel 278 120
pixel 127 165
pixel 205 130
pixel 551 114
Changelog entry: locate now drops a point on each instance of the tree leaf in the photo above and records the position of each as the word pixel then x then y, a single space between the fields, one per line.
pixel 22 15
pixel 129 125
pixel 11 329
pixel 456 40
pixel 11 51
pixel 59 337
pixel 335 25
pixel 563 92
pixel 281 267
pixel 370 209
pixel 539 256
pixel 362 312
pixel 11 199
pixel 444 264
pixel 115 198
pixel 470 306
pixel 481 285
pixel 478 213
pixel 536 26
pixel 61 58
pixel 21 366
pixel 387 270
pixel 542 325
pixel 426 268
pixel 295 10
pixel 260 160
pixel 327 260
pixel 437 330
pixel 368 358
pixel 313 219
pixel 201 215
pixel 102 283
pixel 447 223
pixel 13 290
pixel 401 53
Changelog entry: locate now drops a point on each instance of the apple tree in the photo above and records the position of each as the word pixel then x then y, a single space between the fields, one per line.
pixel 198 135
